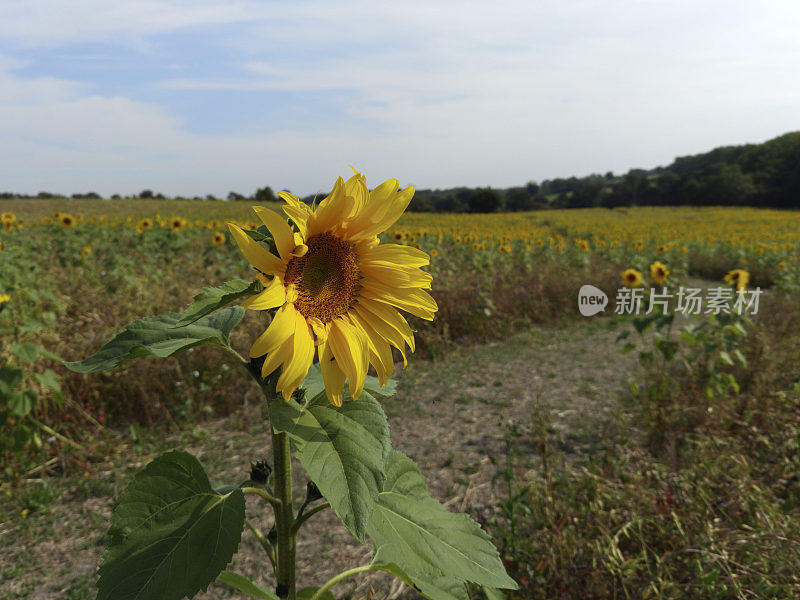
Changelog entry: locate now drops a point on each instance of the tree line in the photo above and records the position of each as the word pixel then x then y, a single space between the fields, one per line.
pixel 765 175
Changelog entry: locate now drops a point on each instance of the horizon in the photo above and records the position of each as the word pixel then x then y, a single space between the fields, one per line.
pixel 212 97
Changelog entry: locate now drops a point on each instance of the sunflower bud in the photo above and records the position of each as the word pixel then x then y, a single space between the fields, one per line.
pixel 312 492
pixel 260 471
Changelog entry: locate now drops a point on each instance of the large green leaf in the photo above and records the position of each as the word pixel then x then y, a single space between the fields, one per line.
pixel 212 299
pixel 343 449
pixel 244 585
pixel 158 336
pixel 171 533
pixel 425 540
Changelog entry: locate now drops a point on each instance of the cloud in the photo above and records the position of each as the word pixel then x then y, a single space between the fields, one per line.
pixel 437 94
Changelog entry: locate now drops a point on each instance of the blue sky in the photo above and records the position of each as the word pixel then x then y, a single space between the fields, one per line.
pixel 212 96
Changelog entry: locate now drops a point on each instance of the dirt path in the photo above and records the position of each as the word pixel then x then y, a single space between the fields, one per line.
pixel 452 416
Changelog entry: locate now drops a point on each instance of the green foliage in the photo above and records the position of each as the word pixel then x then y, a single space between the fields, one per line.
pixel 343 450
pixel 419 536
pixel 212 299
pixel 171 533
pixel 244 585
pixel 159 336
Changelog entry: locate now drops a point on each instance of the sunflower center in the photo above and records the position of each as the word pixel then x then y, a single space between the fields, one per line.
pixel 326 277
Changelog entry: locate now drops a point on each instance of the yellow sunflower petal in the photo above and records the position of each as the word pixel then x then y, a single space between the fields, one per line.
pixel 412 300
pixel 380 354
pixel 257 255
pixel 349 347
pixel 380 312
pixel 277 357
pixel 295 368
pixel 281 328
pixel 394 276
pixel 273 295
pixel 280 230
pixel 394 254
pixel 332 375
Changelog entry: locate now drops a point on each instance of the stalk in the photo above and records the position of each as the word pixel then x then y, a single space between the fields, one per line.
pixel 284 516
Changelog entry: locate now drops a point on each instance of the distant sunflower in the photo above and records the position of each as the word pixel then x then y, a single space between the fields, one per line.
pixel 177 223
pixel 631 278
pixel 144 225
pixel 336 287
pixel 739 278
pixel 66 220
pixel 3 299
pixel 86 251
pixel 659 272
pixel 218 239
pixel 781 265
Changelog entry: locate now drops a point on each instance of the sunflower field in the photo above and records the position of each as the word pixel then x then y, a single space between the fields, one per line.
pixel 73 273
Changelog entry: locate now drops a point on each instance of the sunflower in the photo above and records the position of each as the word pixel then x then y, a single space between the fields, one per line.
pixel 177 223
pixel 738 277
pixel 66 220
pixel 336 287
pixel 3 299
pixel 659 272
pixel 86 251
pixel 8 217
pixel 144 225
pixel 781 265
pixel 218 239
pixel 631 278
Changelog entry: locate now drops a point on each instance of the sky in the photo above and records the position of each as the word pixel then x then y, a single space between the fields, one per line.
pixel 211 96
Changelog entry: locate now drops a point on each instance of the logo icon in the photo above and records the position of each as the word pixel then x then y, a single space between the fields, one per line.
pixel 591 300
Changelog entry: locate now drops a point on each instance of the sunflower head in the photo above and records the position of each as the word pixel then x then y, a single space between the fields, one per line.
pixel 218 239
pixel 86 251
pixel 631 278
pixel 144 225
pixel 177 223
pixel 781 266
pixel 334 288
pixel 66 220
pixel 659 272
pixel 738 277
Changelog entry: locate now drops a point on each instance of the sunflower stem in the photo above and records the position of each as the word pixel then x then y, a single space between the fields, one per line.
pixel 284 516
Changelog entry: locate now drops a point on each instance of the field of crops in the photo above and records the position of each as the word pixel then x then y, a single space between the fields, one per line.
pixel 75 272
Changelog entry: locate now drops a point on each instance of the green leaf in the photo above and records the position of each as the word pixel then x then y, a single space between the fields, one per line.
pixel 261 234
pixel 308 592
pixel 49 380
pixel 9 379
pixel 212 299
pixel 493 593
pixel 244 585
pixel 157 336
pixel 424 539
pixel 434 587
pixel 726 358
pixel 343 449
pixel 171 533
pixel 27 352
pixel 21 403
